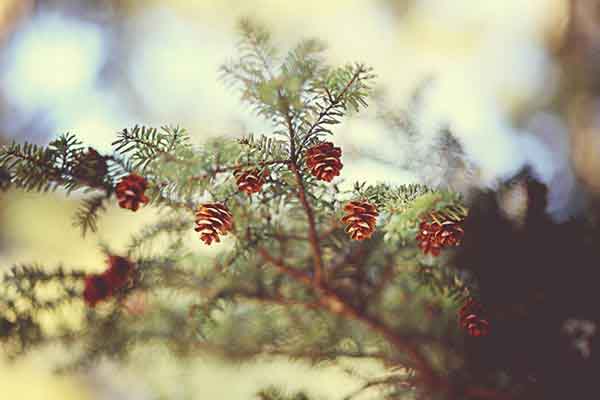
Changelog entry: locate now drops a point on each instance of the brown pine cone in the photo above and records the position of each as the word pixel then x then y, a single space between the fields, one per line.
pixel 212 220
pixel 90 168
pixel 250 181
pixel 477 326
pixel 434 236
pixel 470 318
pixel 130 192
pixel 427 238
pixel 450 234
pixel 361 219
pixel 323 160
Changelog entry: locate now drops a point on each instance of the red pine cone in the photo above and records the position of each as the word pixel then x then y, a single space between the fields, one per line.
pixel 450 234
pixel 434 236
pixel 250 181
pixel 119 272
pixel 427 238
pixel 471 320
pixel 323 159
pixel 212 220
pixel 100 287
pixel 90 167
pixel 130 192
pixel 96 289
pixel 361 219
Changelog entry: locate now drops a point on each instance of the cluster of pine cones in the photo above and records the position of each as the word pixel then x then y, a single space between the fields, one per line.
pixel 215 219
pixel 323 162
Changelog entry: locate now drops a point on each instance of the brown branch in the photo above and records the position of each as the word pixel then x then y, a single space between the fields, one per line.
pixel 279 301
pixel 331 302
pixel 260 164
pixel 219 170
pixel 313 237
pixel 336 305
pixel 283 268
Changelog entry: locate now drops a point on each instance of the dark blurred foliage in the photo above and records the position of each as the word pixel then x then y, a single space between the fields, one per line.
pixel 538 282
pixel 536 278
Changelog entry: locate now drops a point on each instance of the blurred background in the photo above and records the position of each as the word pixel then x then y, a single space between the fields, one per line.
pixel 514 83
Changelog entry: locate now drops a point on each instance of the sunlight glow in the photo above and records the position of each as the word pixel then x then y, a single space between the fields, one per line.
pixel 52 60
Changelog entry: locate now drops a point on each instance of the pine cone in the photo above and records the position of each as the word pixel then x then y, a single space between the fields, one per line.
pixel 250 181
pixel 471 320
pixel 96 289
pixel 130 192
pixel 90 168
pixel 119 272
pixel 213 220
pixel 427 238
pixel 361 219
pixel 323 159
pixel 433 236
pixel 450 234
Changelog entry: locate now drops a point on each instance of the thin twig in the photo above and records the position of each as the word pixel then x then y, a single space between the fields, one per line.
pixel 313 237
pixel 211 173
pixel 333 103
pixel 285 269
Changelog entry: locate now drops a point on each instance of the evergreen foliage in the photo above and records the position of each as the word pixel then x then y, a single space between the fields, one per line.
pixel 289 281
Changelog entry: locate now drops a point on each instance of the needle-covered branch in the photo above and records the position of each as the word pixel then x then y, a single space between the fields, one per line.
pixel 302 269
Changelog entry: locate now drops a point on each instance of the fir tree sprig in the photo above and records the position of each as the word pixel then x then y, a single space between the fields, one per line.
pixel 143 144
pixel 289 279
pixel 86 217
pixel 34 167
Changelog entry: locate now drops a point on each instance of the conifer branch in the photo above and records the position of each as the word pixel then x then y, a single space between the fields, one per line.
pixel 331 112
pixel 224 169
pixel 307 288
pixel 87 215
pixel 301 191
pixel 335 304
